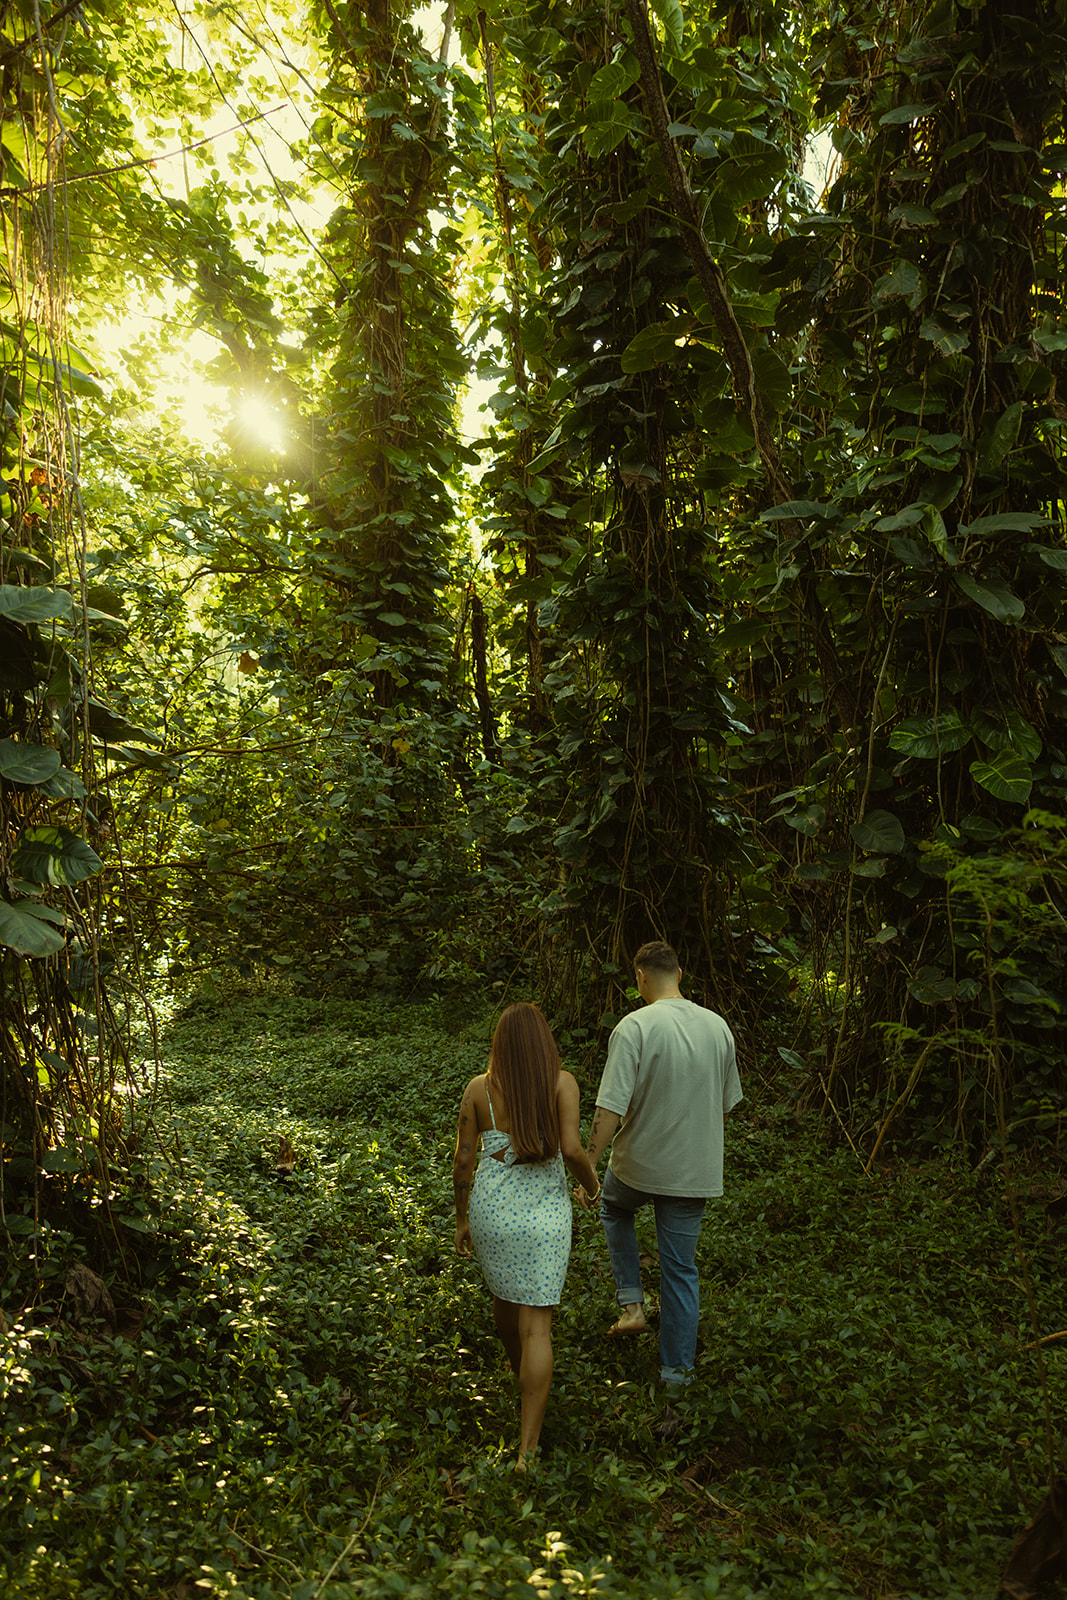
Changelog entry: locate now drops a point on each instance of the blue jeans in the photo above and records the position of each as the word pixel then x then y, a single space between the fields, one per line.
pixel 677 1232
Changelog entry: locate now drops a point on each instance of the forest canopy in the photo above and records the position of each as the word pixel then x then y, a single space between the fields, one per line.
pixel 634 508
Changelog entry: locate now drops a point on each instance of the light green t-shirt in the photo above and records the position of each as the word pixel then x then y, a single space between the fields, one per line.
pixel 671 1074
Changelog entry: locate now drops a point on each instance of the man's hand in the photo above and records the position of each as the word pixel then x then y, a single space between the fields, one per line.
pixel 586 1201
pixel 464 1243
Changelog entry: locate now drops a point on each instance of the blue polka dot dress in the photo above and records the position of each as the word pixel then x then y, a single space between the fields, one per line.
pixel 520 1221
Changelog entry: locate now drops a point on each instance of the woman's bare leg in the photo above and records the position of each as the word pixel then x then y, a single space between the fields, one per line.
pixel 535 1374
pixel 506 1317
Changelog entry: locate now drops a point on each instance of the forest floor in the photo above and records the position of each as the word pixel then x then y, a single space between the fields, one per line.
pixel 301 1397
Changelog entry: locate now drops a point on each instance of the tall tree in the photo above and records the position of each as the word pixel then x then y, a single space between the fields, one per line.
pixel 393 444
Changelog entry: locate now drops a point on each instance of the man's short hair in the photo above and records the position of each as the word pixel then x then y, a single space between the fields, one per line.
pixel 657 957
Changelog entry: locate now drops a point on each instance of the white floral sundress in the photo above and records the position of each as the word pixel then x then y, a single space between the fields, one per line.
pixel 520 1222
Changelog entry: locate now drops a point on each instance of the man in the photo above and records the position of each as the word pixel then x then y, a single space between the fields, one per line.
pixel 670 1077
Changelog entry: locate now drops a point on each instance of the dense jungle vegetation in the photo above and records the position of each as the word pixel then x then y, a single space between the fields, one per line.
pixel 483 488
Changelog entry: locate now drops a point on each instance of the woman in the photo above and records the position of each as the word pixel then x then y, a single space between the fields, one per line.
pixel 518 1221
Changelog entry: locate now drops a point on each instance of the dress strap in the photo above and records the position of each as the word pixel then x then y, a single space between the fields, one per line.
pixel 492 1119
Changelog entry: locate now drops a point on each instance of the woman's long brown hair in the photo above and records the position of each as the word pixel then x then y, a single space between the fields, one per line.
pixel 524 1061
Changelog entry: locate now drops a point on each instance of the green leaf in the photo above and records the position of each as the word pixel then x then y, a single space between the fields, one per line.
pixel 993 595
pixel 76 381
pixel 907 518
pixel 797 510
pixel 773 379
pixel 20 604
pixel 904 114
pixel 913 216
pixel 748 631
pixel 925 738
pixel 28 763
pixel 1001 438
pixel 654 346
pixel 64 785
pixel 933 525
pixel 56 856
pixel 903 282
pixel 946 341
pixel 1003 522
pixel 1056 559
pixel 107 726
pixel 65 1158
pixel 669 13
pixel 606 124
pixel 879 831
pixel 25 928
pixel 136 1224
pixel 930 985
pixel 612 81
pixel 915 398
pixel 911 553
pixel 1008 776
pixel 1006 730
pixel 808 821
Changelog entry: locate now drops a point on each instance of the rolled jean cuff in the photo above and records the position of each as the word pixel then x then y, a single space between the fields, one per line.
pixel 677 1377
pixel 630 1297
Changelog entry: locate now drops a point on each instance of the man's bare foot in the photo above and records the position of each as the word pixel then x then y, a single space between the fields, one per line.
pixel 631 1323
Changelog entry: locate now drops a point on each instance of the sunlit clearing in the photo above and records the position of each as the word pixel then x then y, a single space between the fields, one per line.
pixel 261 423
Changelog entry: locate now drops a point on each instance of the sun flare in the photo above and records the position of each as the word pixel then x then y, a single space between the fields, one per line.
pixel 261 423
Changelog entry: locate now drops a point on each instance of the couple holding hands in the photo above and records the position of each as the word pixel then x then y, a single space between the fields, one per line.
pixel 670 1077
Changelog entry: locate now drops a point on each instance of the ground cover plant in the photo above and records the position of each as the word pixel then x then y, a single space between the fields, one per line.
pixel 297 1395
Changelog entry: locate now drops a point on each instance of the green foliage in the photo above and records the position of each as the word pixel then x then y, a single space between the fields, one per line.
pixel 303 1395
pixel 654 668
pixel 67 1144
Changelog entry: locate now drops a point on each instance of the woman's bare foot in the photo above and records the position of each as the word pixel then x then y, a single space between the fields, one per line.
pixel 631 1323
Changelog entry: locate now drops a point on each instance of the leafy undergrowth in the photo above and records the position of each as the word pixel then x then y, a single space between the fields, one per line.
pixel 302 1399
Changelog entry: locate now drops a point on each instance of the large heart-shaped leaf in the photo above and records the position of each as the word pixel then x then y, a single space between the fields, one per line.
pixel 30 929
pixel 1006 730
pixel 927 737
pixel 55 855
pixel 879 831
pixel 1008 776
pixel 20 604
pixel 28 763
pixel 64 785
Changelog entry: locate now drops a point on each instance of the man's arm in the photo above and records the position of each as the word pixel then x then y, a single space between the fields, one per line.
pixel 600 1136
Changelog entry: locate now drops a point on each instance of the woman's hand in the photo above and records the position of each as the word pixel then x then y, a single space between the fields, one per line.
pixel 584 1198
pixel 464 1244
